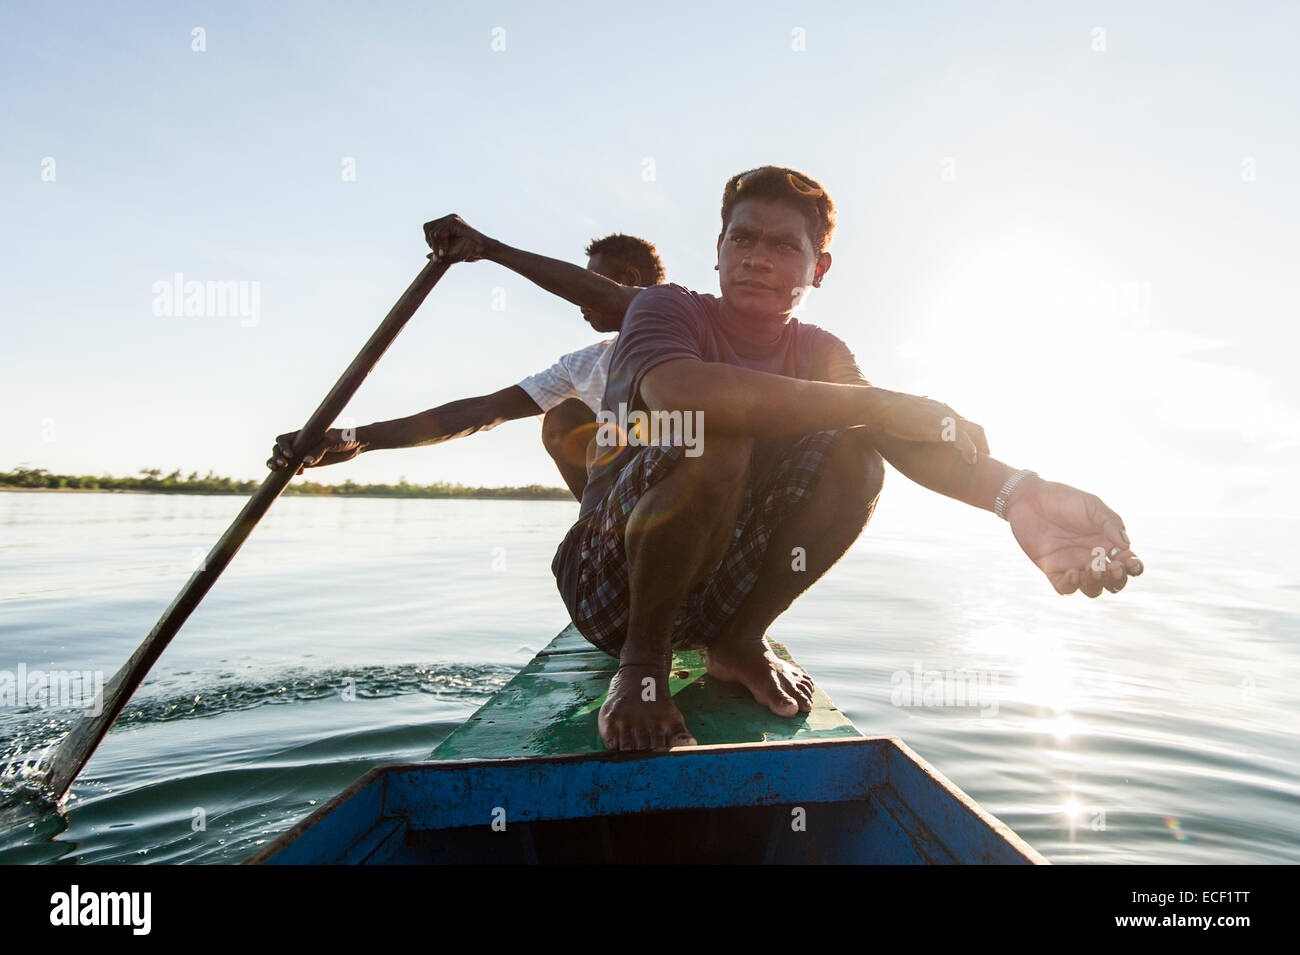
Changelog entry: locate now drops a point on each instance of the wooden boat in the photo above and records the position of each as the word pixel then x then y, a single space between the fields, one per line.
pixel 527 780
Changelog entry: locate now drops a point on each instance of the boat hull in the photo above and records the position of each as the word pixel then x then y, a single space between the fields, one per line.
pixel 526 779
pixel 858 801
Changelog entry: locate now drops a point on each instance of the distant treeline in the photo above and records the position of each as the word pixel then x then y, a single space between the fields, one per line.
pixel 152 479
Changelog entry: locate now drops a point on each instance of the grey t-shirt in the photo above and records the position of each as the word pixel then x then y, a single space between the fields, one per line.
pixel 668 322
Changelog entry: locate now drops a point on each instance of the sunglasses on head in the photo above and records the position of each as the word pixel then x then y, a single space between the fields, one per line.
pixel 797 182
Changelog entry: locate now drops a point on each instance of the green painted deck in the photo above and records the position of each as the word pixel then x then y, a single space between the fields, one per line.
pixel 550 707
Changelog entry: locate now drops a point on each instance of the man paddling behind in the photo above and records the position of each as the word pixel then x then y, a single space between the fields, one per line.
pixel 706 546
pixel 568 393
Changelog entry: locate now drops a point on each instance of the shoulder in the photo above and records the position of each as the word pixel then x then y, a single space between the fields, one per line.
pixel 819 338
pixel 666 314
pixel 585 360
pixel 591 352
pixel 664 292
pixel 833 360
pixel 671 298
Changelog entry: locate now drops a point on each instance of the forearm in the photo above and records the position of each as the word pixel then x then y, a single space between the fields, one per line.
pixel 941 468
pixel 571 282
pixel 453 420
pixel 735 400
pixel 456 419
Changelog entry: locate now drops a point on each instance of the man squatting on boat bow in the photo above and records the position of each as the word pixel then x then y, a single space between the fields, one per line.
pixel 672 549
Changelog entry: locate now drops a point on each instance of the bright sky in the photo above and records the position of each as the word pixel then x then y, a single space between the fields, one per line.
pixel 1078 228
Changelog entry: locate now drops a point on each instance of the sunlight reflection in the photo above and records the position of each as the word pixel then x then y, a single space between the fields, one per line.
pixel 1079 815
pixel 1062 727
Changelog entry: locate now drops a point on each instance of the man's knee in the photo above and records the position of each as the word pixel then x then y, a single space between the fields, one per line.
pixel 722 467
pixel 860 467
pixel 704 491
pixel 562 421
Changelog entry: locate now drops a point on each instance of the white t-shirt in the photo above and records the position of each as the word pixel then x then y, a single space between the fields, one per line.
pixel 579 374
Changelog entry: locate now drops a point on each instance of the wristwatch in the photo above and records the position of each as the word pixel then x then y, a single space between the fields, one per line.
pixel 1000 503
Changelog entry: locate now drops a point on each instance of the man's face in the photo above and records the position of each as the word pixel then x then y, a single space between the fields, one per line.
pixel 602 264
pixel 766 258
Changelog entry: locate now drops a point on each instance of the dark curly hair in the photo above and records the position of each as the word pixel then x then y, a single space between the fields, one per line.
pixel 789 186
pixel 631 251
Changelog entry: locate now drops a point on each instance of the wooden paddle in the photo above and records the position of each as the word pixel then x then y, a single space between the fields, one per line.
pixel 76 748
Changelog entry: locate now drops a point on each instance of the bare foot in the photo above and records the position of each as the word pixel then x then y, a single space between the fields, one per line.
pixel 784 688
pixel 639 713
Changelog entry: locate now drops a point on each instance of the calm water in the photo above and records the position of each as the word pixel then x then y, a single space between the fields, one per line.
pixel 1157 726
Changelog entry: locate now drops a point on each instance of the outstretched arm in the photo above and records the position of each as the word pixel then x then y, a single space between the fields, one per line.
pixel 582 287
pixel 456 419
pixel 1071 536
pixel 453 240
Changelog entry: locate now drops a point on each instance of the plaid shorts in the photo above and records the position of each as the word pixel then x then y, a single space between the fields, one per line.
pixel 603 590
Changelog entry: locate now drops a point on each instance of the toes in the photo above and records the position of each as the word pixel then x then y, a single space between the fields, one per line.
pixel 782 704
pixel 806 687
pixel 636 738
pixel 798 684
pixel 800 692
pixel 679 735
pixel 778 687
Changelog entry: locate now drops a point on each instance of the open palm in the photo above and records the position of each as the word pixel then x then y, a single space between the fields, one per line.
pixel 1073 538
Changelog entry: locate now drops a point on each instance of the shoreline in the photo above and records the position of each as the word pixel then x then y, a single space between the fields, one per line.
pixel 80 490
pixel 371 497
